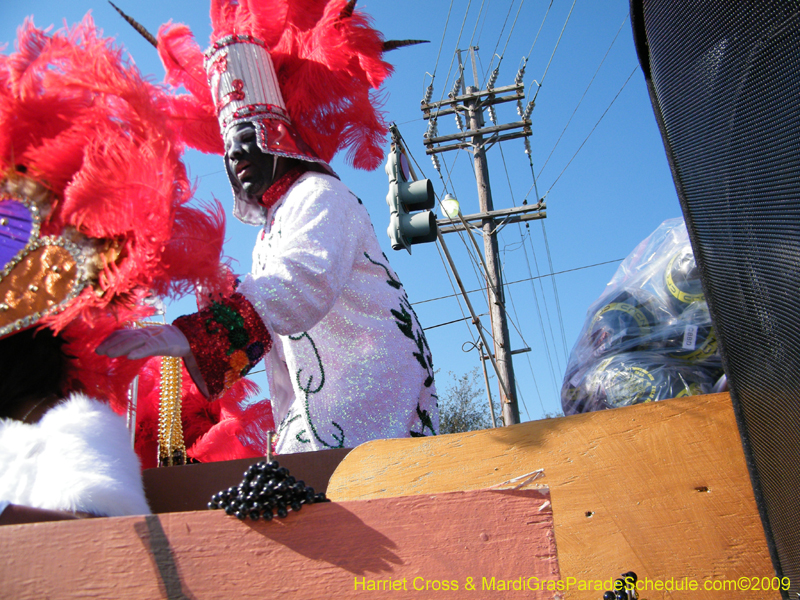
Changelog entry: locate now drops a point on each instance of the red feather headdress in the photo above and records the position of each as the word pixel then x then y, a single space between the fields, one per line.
pixel 328 64
pixel 93 177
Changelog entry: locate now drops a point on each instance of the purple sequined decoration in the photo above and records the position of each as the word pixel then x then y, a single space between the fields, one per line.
pixel 16 226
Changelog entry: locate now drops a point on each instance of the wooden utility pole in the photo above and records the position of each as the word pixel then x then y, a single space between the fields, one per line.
pixel 502 343
pixel 471 103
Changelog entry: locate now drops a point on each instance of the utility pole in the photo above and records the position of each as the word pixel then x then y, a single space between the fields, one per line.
pixel 471 103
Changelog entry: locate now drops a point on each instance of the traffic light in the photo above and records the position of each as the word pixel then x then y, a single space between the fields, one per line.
pixel 405 197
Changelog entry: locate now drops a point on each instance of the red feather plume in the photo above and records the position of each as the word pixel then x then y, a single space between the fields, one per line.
pixel 329 67
pixel 85 123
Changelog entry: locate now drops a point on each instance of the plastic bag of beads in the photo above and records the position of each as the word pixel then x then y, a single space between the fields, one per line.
pixel 654 303
pixel 632 378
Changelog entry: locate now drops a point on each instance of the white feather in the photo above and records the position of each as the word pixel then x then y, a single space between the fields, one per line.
pixel 76 458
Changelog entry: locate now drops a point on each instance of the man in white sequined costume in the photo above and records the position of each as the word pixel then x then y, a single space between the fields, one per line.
pixel 347 360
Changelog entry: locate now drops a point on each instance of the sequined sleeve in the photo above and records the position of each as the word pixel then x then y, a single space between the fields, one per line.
pixel 312 247
pixel 227 339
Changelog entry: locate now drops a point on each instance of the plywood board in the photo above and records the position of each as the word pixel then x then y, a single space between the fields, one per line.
pixel 661 489
pixel 412 547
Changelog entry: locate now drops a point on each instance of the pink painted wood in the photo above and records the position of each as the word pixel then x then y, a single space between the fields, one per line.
pixel 385 548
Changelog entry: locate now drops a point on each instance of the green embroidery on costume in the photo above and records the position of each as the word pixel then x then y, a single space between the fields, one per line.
pixel 339 439
pixel 286 422
pixel 308 390
pixel 422 343
pixel 300 439
pixel 426 420
pixel 334 436
pixel 408 323
pixel 405 323
pixel 391 281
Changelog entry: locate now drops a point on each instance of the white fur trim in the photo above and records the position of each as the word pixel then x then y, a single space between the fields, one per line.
pixel 78 457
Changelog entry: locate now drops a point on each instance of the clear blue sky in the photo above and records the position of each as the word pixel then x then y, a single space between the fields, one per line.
pixel 600 204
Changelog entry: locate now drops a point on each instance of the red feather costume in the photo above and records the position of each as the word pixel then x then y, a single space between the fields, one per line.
pixel 80 124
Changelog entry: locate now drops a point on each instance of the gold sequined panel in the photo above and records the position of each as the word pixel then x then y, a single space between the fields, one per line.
pixel 41 280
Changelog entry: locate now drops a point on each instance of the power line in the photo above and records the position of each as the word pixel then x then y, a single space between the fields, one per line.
pixel 436 66
pixel 548 354
pixel 500 36
pixel 452 60
pixel 508 39
pixel 584 95
pixel 592 131
pixel 476 267
pixel 477 20
pixel 554 50
pixel 451 322
pixel 555 293
pixel 477 264
pixel 519 391
pixel 608 262
pixel 456 294
pixel 547 12
pixel 410 121
pixel 546 309
pixel 480 33
pixel 533 287
pixel 210 174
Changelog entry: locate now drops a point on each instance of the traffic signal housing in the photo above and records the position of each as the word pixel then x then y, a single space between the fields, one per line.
pixel 406 197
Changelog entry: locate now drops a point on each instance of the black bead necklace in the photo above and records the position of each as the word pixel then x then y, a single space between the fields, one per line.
pixel 267 490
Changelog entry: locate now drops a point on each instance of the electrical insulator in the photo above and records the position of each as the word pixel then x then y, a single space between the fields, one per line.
pixel 527 146
pixel 492 115
pixel 457 84
pixel 520 110
pixel 435 161
pixel 520 75
pixel 428 94
pixel 432 129
pixel 528 110
pixel 493 78
pixel 459 121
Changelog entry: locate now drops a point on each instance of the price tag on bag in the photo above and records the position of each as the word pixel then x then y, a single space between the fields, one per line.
pixel 690 337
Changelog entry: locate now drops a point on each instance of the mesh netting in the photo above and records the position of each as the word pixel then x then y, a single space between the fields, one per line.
pixel 724 79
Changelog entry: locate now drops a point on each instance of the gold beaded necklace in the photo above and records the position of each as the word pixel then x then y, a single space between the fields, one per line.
pixel 171 447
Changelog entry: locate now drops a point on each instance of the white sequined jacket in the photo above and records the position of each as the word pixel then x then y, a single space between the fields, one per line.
pixel 77 458
pixel 349 361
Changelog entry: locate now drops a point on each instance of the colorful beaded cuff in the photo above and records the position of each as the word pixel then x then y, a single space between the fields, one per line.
pixel 227 339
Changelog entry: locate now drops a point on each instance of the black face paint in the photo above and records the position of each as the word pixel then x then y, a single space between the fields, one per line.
pixel 247 165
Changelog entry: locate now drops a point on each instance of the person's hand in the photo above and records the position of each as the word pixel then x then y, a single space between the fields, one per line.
pixel 153 340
